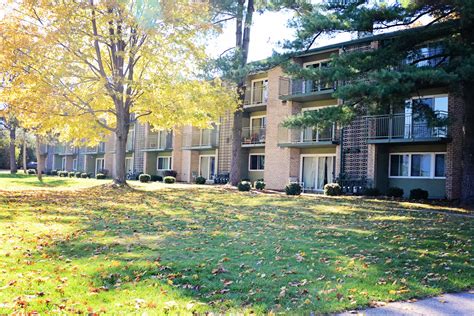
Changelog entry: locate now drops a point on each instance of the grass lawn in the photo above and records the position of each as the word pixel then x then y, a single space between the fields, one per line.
pixel 97 250
pixel 21 181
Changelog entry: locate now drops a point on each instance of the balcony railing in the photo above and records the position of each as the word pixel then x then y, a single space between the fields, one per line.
pixel 201 139
pixel 256 96
pixel 409 127
pixel 290 87
pixel 65 150
pixel 253 136
pixel 308 136
pixel 99 149
pixel 161 140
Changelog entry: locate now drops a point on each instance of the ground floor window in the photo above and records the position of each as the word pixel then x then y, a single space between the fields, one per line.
pixel 417 165
pixel 256 162
pixel 74 164
pixel 129 164
pixel 99 165
pixel 63 163
pixel 207 167
pixel 163 163
pixel 317 171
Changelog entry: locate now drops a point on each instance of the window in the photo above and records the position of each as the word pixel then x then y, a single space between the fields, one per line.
pixel 417 165
pixel 74 164
pixel 163 163
pixel 256 162
pixel 129 164
pixel 259 91
pixel 99 165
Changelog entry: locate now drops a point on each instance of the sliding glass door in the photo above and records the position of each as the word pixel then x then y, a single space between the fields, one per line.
pixel 317 171
pixel 207 167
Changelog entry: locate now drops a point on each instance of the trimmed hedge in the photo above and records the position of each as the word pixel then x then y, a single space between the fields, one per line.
pixel 71 174
pixel 332 189
pixel 244 186
pixel 155 178
pixel 395 192
pixel 293 189
pixel 200 180
pixel 371 192
pixel 63 174
pixel 169 179
pixel 100 176
pixel 418 194
pixel 85 175
pixel 259 185
pixel 170 173
pixel 144 178
pixel 54 172
pixel 77 174
pixel 31 171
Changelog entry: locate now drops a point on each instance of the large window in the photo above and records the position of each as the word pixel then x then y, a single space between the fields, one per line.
pixel 259 93
pixel 256 162
pixel 163 163
pixel 417 165
pixel 74 164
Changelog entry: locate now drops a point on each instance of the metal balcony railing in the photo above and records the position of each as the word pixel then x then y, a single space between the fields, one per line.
pixel 206 138
pixel 289 87
pixel 65 150
pixel 308 135
pixel 161 140
pixel 256 96
pixel 405 126
pixel 99 149
pixel 253 136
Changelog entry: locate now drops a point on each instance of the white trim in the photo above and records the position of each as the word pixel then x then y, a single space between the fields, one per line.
pixel 63 163
pixel 316 108
pixel 251 118
pixel 317 166
pixel 306 64
pixel 170 161
pixel 256 154
pixel 432 164
pixel 103 165
pixel 251 89
pixel 76 162
pixel 215 165
pixel 129 158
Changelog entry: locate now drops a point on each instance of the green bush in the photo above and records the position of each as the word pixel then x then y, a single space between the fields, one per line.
pixel 63 174
pixel 169 179
pixel 371 192
pixel 144 178
pixel 54 172
pixel 332 189
pixel 71 174
pixel 259 185
pixel 77 174
pixel 170 173
pixel 418 194
pixel 244 186
pixel 100 176
pixel 293 189
pixel 31 171
pixel 200 180
pixel 85 175
pixel 395 192
pixel 155 178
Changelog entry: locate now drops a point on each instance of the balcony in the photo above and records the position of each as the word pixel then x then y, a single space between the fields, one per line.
pixel 201 139
pixel 308 137
pixel 65 150
pixel 401 128
pixel 253 137
pixel 256 98
pixel 302 90
pixel 43 149
pixel 159 141
pixel 99 149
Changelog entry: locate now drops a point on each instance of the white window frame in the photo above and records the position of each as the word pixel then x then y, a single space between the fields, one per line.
pixel 309 63
pixel 74 164
pixel 170 161
pixel 63 163
pixel 103 164
pixel 215 166
pixel 252 88
pixel 250 159
pixel 129 158
pixel 257 117
pixel 432 165
pixel 317 164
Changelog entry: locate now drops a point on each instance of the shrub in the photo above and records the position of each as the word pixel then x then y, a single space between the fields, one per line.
pixel 418 194
pixel 169 179
pixel 293 189
pixel 170 173
pixel 71 174
pixel 371 192
pixel 395 192
pixel 31 171
pixel 259 185
pixel 244 186
pixel 144 178
pixel 200 180
pixel 85 175
pixel 62 174
pixel 48 172
pixel 54 172
pixel 100 176
pixel 332 189
pixel 155 178
pixel 77 174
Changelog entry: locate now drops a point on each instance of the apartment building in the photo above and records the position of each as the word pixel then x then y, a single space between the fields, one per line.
pixel 396 149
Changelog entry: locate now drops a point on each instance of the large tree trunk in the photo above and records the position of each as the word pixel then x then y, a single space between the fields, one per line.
pixel 236 158
pixel 13 167
pixel 121 135
pixel 39 159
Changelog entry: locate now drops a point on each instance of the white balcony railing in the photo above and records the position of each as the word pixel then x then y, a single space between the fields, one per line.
pixel 253 136
pixel 206 138
pixel 256 96
pixel 160 140
pixel 309 135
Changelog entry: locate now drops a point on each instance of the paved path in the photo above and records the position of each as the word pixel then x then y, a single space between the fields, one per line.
pixel 460 304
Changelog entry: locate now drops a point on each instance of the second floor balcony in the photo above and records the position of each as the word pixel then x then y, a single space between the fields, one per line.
pixel 65 150
pixel 159 141
pixel 256 98
pixel 308 137
pixel 201 139
pixel 305 90
pixel 99 149
pixel 406 127
pixel 253 136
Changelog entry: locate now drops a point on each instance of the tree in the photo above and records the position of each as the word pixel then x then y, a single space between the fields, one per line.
pixel 111 64
pixel 9 122
pixel 382 79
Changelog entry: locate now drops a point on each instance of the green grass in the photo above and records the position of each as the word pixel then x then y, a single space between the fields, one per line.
pixel 21 181
pixel 184 250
